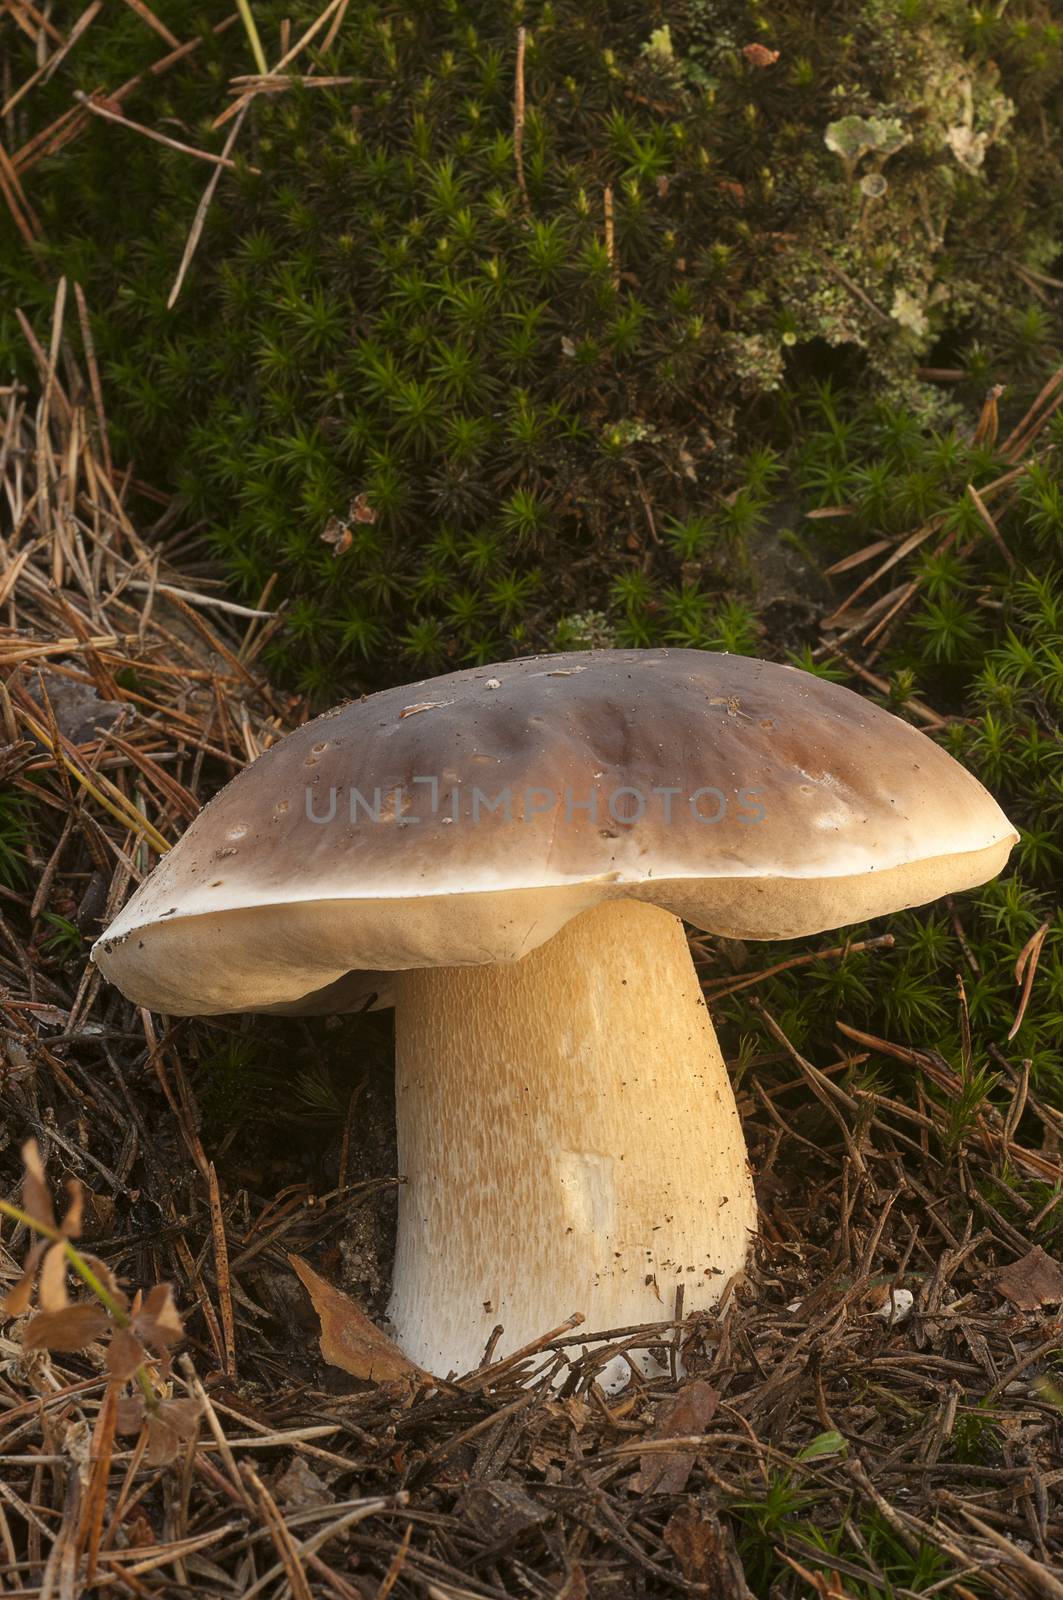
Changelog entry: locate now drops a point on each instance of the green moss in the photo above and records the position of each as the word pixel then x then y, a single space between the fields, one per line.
pixel 981 644
pixel 505 425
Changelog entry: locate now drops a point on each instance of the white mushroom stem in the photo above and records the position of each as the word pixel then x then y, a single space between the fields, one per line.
pixel 570 1141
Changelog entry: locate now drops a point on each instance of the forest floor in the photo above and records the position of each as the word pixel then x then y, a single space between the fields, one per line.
pixel 874 1409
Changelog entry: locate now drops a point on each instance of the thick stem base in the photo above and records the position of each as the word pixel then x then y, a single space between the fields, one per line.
pixel 570 1141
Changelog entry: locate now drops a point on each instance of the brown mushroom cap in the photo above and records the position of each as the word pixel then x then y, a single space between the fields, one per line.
pixel 752 799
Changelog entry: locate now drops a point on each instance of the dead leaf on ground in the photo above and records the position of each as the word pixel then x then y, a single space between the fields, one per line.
pixel 129 1413
pixel 689 1411
pixel 348 1339
pixel 338 535
pixel 1035 1280
pixel 704 1550
pixel 169 1426
pixel 758 55
pixel 158 1321
pixel 107 1278
pixel 124 1354
pixel 72 1328
pixel 36 1200
pixel 70 1227
pixel 18 1297
pixel 574 1586
pixel 501 1511
pixel 300 1489
pixel 77 708
pixel 51 1287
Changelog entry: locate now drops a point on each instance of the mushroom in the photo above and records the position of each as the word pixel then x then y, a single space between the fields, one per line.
pixel 505 854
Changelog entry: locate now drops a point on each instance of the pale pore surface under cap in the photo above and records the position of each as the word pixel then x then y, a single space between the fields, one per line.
pixel 258 906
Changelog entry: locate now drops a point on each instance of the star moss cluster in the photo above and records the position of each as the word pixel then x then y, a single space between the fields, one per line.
pixel 981 641
pixel 466 404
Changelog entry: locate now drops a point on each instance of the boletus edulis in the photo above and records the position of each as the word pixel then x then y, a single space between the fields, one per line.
pixel 507 855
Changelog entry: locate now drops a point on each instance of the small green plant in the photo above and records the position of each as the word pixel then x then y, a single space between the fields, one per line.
pixel 14 835
pixel 58 1323
pixel 65 939
pixel 976 1438
pixel 764 1522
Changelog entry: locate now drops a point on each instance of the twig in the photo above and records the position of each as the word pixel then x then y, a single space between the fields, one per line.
pixel 283 1542
pixel 931 718
pixel 43 73
pixel 334 6
pixel 275 83
pixel 1035 1571
pixel 490 1375
pixel 247 17
pixel 610 238
pixel 89 347
pixel 145 13
pixel 22 213
pixel 201 212
pixel 884 941
pixel 1026 971
pixel 994 531
pixel 150 133
pixel 221 1268
pixel 337 23
pixel 113 801
pixel 210 602
pixel 518 119
pixel 1029 425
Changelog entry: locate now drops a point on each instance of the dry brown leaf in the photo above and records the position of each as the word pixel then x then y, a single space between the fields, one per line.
pixel 182 1415
pixel 158 1322
pixel 348 1339
pixel 51 1290
pixel 300 1489
pixel 705 1551
pixel 338 535
pixel 124 1354
pixel 36 1201
pixel 1035 1280
pixel 107 1278
pixel 138 1533
pixel 575 1585
pixel 129 1414
pixel 758 55
pixel 70 1226
pixel 501 1511
pixel 70 1329
pixel 692 1539
pixel 18 1297
pixel 170 1425
pixel 686 1412
pixel 164 1441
